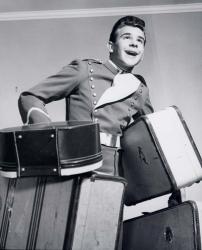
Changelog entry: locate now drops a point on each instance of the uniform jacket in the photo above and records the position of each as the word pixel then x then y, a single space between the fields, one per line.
pixel 82 83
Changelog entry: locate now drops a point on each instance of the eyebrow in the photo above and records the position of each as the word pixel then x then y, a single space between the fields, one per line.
pixel 141 37
pixel 127 33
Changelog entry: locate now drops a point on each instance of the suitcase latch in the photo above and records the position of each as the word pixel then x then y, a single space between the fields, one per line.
pixel 168 234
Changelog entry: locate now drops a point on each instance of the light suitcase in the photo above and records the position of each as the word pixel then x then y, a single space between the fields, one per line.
pixel 57 148
pixel 63 213
pixel 159 156
pixel 175 228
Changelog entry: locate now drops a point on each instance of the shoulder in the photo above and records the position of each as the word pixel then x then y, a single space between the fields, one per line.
pixel 81 65
pixel 75 67
pixel 141 78
pixel 92 61
pixel 79 68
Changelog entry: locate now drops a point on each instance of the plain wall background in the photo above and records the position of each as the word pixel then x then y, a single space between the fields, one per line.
pixel 34 49
pixel 35 5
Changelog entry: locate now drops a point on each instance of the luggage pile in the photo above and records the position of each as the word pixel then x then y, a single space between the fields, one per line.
pixel 44 203
pixel 51 200
pixel 160 157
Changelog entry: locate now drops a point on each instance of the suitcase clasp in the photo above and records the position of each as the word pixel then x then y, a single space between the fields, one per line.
pixel 168 234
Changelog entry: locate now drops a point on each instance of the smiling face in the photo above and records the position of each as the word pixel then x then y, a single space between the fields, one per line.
pixel 128 49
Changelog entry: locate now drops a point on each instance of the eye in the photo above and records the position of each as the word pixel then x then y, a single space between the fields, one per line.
pixel 126 37
pixel 140 40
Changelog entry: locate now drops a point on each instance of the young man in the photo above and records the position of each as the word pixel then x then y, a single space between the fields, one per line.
pixel 108 93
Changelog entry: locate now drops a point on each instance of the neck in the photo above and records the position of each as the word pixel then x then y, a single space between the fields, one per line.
pixel 120 68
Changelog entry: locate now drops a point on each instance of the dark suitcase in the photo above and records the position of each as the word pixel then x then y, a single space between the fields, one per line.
pixel 61 213
pixel 174 228
pixel 159 156
pixel 60 148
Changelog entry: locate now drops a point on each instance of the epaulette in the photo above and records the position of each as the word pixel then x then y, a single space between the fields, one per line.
pixel 93 61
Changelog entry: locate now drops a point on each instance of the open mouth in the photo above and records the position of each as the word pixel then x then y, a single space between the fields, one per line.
pixel 131 53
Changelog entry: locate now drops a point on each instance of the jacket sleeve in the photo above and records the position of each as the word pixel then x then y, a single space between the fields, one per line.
pixel 32 103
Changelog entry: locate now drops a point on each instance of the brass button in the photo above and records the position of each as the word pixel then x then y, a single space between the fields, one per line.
pixel 91 70
pixel 89 62
pixel 96 119
pixel 94 94
pixel 92 86
pixel 140 91
pixel 91 78
pixel 94 102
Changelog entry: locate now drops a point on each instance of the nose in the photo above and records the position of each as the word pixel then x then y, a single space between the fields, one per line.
pixel 133 43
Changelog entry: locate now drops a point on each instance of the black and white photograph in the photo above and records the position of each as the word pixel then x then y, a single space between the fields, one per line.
pixel 100 125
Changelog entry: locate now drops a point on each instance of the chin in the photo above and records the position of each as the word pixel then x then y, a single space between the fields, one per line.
pixel 131 64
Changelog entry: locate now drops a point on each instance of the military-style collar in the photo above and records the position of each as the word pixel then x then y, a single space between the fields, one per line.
pixel 133 71
pixel 114 68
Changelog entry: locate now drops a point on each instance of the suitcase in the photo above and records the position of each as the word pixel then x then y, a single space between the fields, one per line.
pixel 60 148
pixel 159 156
pixel 174 228
pixel 61 213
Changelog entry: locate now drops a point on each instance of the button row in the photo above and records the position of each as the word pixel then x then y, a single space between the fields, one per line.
pixel 92 85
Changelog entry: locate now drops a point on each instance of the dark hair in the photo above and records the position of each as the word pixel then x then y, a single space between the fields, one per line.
pixel 126 21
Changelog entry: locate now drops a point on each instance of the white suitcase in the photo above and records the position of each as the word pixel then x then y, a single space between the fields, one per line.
pixel 159 156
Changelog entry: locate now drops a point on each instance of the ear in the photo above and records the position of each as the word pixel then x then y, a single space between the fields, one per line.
pixel 110 47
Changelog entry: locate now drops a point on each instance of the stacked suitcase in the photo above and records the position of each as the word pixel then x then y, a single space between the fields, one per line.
pixel 160 157
pixel 41 208
pixel 173 228
pixel 49 213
